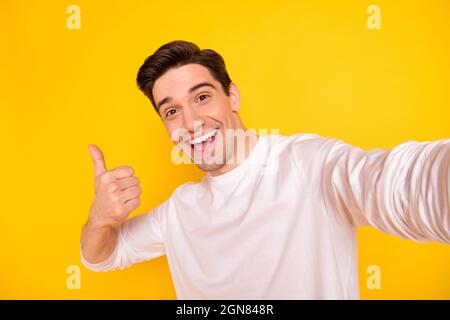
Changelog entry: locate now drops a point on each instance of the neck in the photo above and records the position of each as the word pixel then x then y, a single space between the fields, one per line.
pixel 248 143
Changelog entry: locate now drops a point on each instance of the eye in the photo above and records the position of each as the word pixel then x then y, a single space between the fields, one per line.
pixel 170 112
pixel 204 96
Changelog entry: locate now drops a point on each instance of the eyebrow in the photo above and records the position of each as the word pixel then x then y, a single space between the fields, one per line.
pixel 192 89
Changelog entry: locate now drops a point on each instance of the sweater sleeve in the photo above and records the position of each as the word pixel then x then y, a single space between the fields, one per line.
pixel 404 191
pixel 139 239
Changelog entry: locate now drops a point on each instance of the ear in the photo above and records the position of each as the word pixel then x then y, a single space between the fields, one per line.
pixel 235 97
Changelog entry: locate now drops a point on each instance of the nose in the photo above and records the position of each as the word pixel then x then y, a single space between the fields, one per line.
pixel 191 120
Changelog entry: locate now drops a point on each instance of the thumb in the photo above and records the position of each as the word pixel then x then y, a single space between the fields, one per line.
pixel 99 160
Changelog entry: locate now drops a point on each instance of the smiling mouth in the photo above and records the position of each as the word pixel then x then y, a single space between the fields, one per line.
pixel 204 143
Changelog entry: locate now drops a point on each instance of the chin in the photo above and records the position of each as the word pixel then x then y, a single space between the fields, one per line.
pixel 209 167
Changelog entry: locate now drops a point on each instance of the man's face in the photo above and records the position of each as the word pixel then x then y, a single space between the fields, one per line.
pixel 196 112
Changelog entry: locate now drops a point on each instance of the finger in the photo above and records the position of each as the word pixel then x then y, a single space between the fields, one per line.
pixel 131 205
pixel 130 193
pixel 126 183
pixel 121 172
pixel 99 160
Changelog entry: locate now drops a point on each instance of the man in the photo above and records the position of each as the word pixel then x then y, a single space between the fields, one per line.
pixel 277 223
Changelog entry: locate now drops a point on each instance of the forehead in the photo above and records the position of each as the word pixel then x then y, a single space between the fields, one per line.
pixel 177 81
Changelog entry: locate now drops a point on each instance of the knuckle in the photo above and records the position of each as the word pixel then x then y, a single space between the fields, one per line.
pixel 114 198
pixel 134 203
pixel 111 187
pixel 136 191
pixel 103 178
pixel 120 211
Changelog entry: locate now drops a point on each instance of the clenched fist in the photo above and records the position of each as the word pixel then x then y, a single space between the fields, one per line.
pixel 116 192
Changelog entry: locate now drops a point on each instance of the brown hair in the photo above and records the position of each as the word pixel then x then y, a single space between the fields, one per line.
pixel 176 54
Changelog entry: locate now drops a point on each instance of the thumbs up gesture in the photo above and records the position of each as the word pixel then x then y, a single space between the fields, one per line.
pixel 116 192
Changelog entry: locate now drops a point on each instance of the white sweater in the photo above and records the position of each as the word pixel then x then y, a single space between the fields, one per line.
pixel 282 225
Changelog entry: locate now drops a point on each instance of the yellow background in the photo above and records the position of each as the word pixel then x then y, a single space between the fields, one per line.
pixel 301 66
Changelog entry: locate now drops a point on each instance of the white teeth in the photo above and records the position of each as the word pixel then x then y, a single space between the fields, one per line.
pixel 203 137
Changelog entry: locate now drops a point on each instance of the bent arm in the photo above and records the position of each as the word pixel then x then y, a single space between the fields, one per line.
pixel 138 239
pixel 97 244
pixel 403 191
